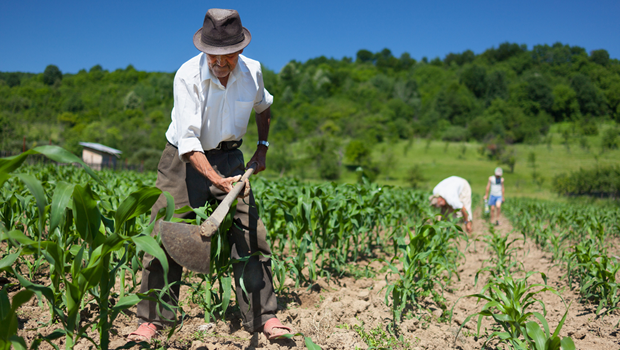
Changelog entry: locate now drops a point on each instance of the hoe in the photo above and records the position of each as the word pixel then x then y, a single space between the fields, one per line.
pixel 190 245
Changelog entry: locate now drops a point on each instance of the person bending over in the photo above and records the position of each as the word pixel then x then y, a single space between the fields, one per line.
pixel 452 194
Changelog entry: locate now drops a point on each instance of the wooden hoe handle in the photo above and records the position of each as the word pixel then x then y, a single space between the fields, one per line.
pixel 214 221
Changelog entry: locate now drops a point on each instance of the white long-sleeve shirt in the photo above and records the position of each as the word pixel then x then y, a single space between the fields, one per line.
pixel 457 193
pixel 205 112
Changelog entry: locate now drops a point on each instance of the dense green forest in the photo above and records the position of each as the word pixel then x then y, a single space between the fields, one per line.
pixel 331 112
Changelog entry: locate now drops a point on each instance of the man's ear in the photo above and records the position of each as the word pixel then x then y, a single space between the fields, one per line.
pixel 240 51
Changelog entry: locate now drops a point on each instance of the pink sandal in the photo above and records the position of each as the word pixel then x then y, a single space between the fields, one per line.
pixel 274 329
pixel 145 332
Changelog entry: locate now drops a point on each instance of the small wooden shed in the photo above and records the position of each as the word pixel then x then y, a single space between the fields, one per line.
pixel 99 156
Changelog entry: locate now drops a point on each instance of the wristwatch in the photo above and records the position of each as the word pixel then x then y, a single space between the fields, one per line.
pixel 266 143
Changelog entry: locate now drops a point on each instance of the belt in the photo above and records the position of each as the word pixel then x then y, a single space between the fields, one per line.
pixel 222 146
pixel 227 145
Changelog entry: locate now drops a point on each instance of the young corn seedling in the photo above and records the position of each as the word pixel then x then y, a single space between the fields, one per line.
pixel 8 319
pixel 504 258
pixel 429 259
pixel 598 282
pixel 508 302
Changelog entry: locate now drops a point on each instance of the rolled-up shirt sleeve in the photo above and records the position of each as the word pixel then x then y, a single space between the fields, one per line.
pixel 263 98
pixel 187 116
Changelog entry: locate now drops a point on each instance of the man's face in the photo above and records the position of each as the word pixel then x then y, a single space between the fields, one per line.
pixel 441 202
pixel 222 65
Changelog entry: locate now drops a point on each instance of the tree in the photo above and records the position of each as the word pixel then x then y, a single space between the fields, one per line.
pixel 600 57
pixel 365 56
pixel 475 78
pixel 51 74
pixel 565 104
pixel 13 79
pixel 590 100
pixel 357 152
pixel 539 91
pixel 497 85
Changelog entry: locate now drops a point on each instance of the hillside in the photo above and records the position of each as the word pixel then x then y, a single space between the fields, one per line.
pixel 506 95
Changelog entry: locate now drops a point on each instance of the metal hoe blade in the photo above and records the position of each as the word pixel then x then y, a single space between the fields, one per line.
pixel 190 245
pixel 186 245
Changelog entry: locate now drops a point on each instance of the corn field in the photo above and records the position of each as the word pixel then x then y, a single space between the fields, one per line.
pixel 72 241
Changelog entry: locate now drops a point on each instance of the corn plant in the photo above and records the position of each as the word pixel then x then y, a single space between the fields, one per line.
pixel 87 264
pixel 596 274
pixel 214 301
pixel 556 245
pixel 8 319
pixel 504 257
pixel 579 259
pixel 430 258
pixel 507 303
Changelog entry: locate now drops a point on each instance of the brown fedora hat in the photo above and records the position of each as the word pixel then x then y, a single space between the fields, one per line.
pixel 222 33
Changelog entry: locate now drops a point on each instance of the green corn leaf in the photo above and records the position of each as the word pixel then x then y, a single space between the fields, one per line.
pixel 503 318
pixel 18 237
pixel 92 274
pixel 5 304
pixel 87 215
pixel 21 298
pixel 307 340
pixel 18 342
pixel 537 335
pixel 37 191
pixel 556 333
pixel 126 302
pixel 149 245
pixel 227 289
pixel 9 164
pixel 9 321
pixel 136 204
pixel 169 207
pixel 543 321
pixel 310 345
pixel 60 200
pixel 53 254
pixel 61 155
pixel 8 261
pixel 567 343
pixel 553 343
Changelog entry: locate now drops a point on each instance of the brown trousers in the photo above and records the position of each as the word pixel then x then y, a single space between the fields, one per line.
pixel 246 236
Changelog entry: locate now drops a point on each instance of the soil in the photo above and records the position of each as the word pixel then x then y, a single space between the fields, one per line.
pixel 330 311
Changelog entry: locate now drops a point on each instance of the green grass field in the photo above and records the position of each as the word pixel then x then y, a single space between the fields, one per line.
pixel 438 160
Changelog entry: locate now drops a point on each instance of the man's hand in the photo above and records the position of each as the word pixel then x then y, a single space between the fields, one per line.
pixel 226 184
pixel 259 158
pixel 468 227
pixel 199 161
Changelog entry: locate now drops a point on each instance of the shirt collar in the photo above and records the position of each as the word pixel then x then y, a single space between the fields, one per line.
pixel 205 72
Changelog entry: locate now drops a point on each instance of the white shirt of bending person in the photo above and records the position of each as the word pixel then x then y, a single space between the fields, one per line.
pixel 457 193
pixel 205 113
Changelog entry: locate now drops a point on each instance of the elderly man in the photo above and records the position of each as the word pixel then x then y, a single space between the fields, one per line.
pixel 452 194
pixel 214 94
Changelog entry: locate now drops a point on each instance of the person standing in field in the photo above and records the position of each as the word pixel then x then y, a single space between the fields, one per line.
pixel 496 185
pixel 214 94
pixel 452 194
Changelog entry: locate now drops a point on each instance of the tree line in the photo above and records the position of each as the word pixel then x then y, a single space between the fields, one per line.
pixel 506 94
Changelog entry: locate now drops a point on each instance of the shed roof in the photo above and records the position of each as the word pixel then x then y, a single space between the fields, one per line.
pixel 101 148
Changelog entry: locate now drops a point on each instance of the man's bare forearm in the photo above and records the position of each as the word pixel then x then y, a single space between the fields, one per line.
pixel 199 161
pixel 263 120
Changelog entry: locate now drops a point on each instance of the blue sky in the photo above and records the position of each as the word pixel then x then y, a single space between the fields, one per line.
pixel 157 35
